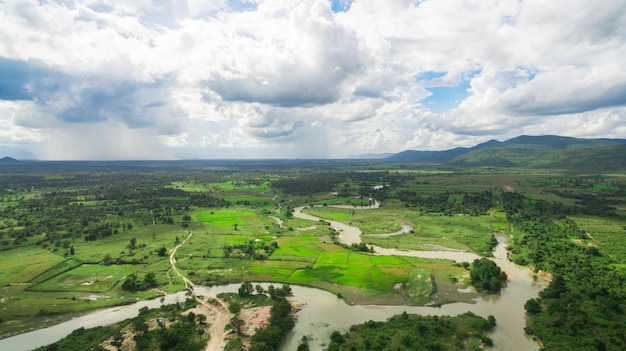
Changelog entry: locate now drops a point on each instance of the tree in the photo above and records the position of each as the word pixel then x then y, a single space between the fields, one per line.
pixel 259 289
pixel 532 306
pixel 150 281
pixel 492 321
pixel 234 307
pixel 162 252
pixel 487 276
pixel 246 289
pixel 131 283
pixel 133 244
pixel 72 251
pixel 304 344
pixel 336 337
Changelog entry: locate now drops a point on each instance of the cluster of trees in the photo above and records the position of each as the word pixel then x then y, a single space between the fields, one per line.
pixel 247 289
pixel 92 206
pixel 133 283
pixel 309 184
pixel 281 319
pixel 473 204
pixel 174 332
pixel 363 183
pixel 486 276
pixel 184 333
pixel 589 204
pixel 584 306
pixel 257 250
pixel 280 324
pixel 415 333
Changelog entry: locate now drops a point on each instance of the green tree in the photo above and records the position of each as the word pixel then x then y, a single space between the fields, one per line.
pixel 162 252
pixel 149 281
pixel 246 289
pixel 532 306
pixel 133 244
pixel 487 276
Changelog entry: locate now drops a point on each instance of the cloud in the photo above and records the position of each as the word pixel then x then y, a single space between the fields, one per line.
pixel 26 80
pixel 313 78
pixel 86 99
pixel 289 54
pixel 566 90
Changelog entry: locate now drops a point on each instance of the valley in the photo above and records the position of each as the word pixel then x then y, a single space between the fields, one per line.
pixel 78 237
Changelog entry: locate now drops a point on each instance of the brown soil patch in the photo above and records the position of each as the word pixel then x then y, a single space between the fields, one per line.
pixel 545 275
pixel 254 318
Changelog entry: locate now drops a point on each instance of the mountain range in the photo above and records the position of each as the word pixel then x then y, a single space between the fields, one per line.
pixel 538 152
pixel 547 151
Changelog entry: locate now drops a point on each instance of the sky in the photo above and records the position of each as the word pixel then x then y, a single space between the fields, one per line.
pixel 223 79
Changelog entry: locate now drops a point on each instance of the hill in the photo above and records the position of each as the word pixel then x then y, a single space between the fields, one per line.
pixel 547 151
pixel 8 160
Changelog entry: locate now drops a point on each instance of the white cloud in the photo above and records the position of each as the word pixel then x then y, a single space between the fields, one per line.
pixel 272 78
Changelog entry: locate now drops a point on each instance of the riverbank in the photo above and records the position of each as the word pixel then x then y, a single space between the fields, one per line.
pixel 322 312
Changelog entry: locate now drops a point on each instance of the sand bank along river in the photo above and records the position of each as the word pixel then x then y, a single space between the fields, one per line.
pixel 323 313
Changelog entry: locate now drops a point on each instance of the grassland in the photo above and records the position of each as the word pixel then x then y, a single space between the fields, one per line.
pixel 60 272
pixel 608 234
pixel 429 232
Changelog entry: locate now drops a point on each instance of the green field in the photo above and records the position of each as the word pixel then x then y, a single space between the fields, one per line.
pixel 609 234
pixel 24 264
pixel 225 217
pixel 69 241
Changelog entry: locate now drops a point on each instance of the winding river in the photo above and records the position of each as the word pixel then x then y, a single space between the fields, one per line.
pixel 323 313
pixel 508 306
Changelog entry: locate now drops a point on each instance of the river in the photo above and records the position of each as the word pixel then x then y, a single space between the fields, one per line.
pixel 323 313
pixel 507 307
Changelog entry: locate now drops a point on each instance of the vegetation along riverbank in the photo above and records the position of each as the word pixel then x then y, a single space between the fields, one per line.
pixel 76 237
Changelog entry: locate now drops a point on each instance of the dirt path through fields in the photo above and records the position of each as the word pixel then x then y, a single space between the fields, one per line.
pixel 215 310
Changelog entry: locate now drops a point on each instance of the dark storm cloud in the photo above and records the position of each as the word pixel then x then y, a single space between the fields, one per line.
pixel 138 105
pixel 283 95
pixel 27 80
pixel 91 99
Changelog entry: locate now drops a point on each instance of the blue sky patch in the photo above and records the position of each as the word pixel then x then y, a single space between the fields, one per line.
pixel 429 75
pixel 241 5
pixel 445 98
pixel 340 5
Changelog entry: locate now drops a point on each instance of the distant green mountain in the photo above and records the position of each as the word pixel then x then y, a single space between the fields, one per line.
pixel 427 156
pixel 547 151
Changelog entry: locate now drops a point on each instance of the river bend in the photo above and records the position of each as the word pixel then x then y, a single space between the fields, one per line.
pixel 323 313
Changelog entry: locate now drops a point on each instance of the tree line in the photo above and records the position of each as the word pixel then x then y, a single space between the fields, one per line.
pixel 584 306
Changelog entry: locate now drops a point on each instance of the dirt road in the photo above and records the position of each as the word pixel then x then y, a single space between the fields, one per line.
pixel 215 310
